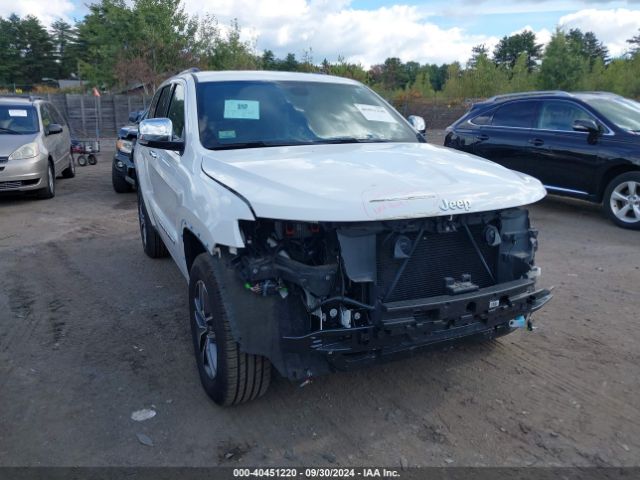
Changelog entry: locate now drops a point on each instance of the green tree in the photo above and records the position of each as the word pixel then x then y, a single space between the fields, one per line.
pixel 268 60
pixel 511 47
pixel 634 43
pixel 63 36
pixel 587 46
pixel 477 52
pixel 394 75
pixel 561 68
pixel 232 53
pixel 289 64
pixel 26 52
pixel 342 68
pixel 522 80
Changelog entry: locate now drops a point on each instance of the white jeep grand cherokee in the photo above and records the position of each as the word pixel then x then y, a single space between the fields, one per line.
pixel 319 232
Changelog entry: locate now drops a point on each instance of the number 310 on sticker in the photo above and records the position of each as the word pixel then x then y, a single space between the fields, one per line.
pixel 245 109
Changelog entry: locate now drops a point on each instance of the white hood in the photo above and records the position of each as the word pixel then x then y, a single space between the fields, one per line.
pixel 371 181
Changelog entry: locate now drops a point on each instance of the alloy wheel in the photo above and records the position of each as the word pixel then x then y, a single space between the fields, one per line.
pixel 205 336
pixel 51 179
pixel 143 224
pixel 625 201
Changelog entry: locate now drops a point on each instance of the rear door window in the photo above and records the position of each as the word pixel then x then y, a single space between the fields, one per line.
pixel 515 114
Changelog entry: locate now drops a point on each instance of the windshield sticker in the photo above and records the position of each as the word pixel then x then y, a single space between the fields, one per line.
pixel 375 113
pixel 226 134
pixel 17 113
pixel 246 109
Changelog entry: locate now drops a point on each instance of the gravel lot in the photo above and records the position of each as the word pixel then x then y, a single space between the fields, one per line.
pixel 92 330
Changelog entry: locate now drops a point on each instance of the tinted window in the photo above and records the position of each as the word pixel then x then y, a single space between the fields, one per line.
pixel 163 102
pixel 46 116
pixel 483 119
pixel 625 113
pixel 559 115
pixel 516 114
pixel 176 111
pixel 293 113
pixel 18 119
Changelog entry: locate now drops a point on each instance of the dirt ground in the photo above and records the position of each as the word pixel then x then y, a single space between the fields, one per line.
pixel 92 330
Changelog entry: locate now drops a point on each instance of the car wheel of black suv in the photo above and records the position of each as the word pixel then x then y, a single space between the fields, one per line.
pixel 120 185
pixel 229 376
pixel 622 200
pixel 151 242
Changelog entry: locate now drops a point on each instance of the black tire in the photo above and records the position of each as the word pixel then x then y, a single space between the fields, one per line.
pixel 237 377
pixel 82 161
pixel 621 200
pixel 120 185
pixel 92 159
pixel 50 190
pixel 70 171
pixel 152 244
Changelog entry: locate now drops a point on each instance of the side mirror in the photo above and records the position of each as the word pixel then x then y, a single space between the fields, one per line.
pixel 53 128
pixel 158 133
pixel 586 125
pixel 418 124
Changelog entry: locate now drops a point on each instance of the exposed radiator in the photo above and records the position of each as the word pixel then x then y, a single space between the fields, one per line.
pixel 438 255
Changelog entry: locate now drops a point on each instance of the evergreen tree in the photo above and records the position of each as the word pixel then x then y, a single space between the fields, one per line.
pixel 510 48
pixel 561 68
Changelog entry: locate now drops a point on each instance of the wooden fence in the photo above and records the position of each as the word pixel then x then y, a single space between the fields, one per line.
pixel 91 117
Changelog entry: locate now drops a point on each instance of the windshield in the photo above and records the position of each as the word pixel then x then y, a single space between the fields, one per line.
pixel 18 119
pixel 625 113
pixel 244 114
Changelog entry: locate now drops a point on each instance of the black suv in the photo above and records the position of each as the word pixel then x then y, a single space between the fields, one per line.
pixel 582 145
pixel 123 171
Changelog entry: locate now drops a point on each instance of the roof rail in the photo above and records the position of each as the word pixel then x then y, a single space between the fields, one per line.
pixel 24 96
pixel 528 94
pixel 190 70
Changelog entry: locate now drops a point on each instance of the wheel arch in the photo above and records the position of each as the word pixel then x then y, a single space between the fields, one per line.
pixel 193 247
pixel 612 173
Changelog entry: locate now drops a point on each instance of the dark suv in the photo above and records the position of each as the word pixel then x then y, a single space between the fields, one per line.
pixel 123 171
pixel 582 145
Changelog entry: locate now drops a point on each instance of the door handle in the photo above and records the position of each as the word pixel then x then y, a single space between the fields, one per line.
pixel 482 137
pixel 537 142
pixel 153 154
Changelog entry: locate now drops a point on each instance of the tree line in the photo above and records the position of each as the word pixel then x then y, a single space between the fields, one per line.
pixel 121 45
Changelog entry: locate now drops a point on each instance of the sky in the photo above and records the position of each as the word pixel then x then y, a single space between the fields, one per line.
pixel 368 31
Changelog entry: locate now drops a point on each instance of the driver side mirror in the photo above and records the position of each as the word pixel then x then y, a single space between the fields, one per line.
pixel 158 133
pixel 53 128
pixel 418 124
pixel 586 125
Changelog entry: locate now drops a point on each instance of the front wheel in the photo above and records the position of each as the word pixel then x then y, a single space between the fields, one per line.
pixel 622 200
pixel 50 190
pixel 152 244
pixel 120 185
pixel 229 376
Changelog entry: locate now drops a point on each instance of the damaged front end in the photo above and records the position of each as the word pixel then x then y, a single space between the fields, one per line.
pixel 316 297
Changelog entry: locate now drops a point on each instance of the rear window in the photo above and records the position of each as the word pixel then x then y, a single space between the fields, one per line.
pixel 516 114
pixel 18 119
